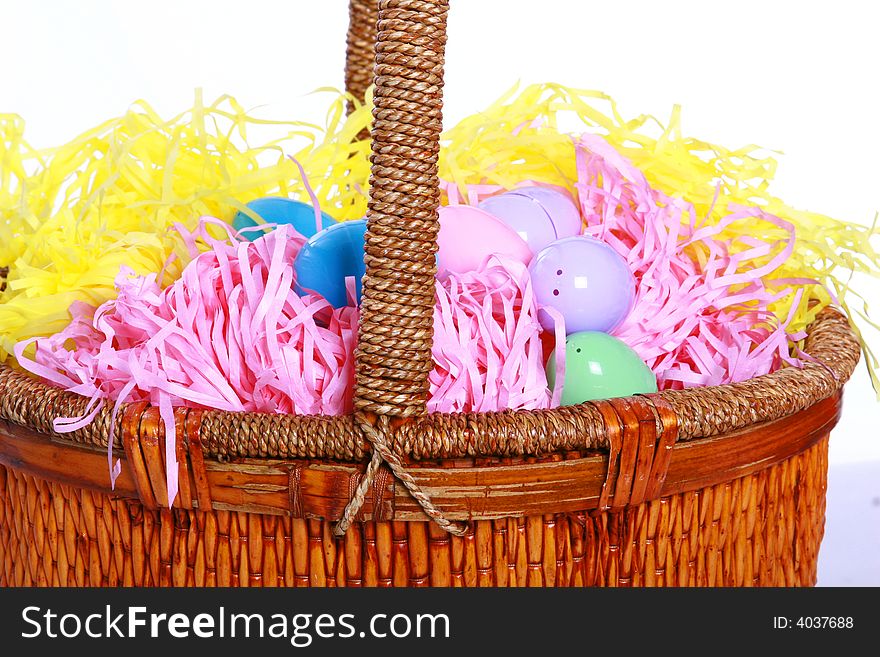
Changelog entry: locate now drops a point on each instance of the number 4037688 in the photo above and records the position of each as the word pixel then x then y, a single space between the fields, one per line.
pixel 813 622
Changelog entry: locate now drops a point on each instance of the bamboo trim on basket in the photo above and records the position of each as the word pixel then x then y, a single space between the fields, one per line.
pixel 466 489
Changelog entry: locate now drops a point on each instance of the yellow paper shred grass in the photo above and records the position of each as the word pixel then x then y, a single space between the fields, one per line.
pixel 71 215
pixel 525 136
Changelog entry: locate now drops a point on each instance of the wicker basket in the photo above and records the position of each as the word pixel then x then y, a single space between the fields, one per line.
pixel 710 486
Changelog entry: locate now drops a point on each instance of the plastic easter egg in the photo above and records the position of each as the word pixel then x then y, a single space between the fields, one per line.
pixel 586 281
pixel 599 366
pixel 560 208
pixel 328 257
pixel 469 235
pixel 280 210
pixel 525 216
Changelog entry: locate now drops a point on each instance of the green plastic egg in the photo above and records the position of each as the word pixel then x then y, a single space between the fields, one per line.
pixel 599 366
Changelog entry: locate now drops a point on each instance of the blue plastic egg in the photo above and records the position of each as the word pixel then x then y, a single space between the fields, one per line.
pixel 330 256
pixel 280 210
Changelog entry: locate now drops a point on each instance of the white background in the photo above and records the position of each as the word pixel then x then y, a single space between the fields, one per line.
pixel 798 77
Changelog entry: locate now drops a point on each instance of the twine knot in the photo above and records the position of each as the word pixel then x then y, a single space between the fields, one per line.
pixel 376 434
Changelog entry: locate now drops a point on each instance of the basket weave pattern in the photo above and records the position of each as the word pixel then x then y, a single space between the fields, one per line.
pixel 759 530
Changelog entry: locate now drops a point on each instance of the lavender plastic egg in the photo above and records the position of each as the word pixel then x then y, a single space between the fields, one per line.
pixel 586 281
pixel 525 216
pixel 561 209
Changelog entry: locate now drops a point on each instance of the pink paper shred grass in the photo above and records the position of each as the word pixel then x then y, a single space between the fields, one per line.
pixel 229 334
pixel 232 334
pixel 487 347
pixel 695 321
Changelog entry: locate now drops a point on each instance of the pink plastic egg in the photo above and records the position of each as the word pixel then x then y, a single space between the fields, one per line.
pixel 469 235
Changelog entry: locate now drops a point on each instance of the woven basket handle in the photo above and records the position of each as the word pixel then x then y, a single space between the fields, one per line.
pixel 360 52
pixel 393 356
pixel 397 307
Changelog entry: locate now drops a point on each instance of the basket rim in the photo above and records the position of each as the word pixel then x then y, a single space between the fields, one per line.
pixel 832 348
pixel 466 489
